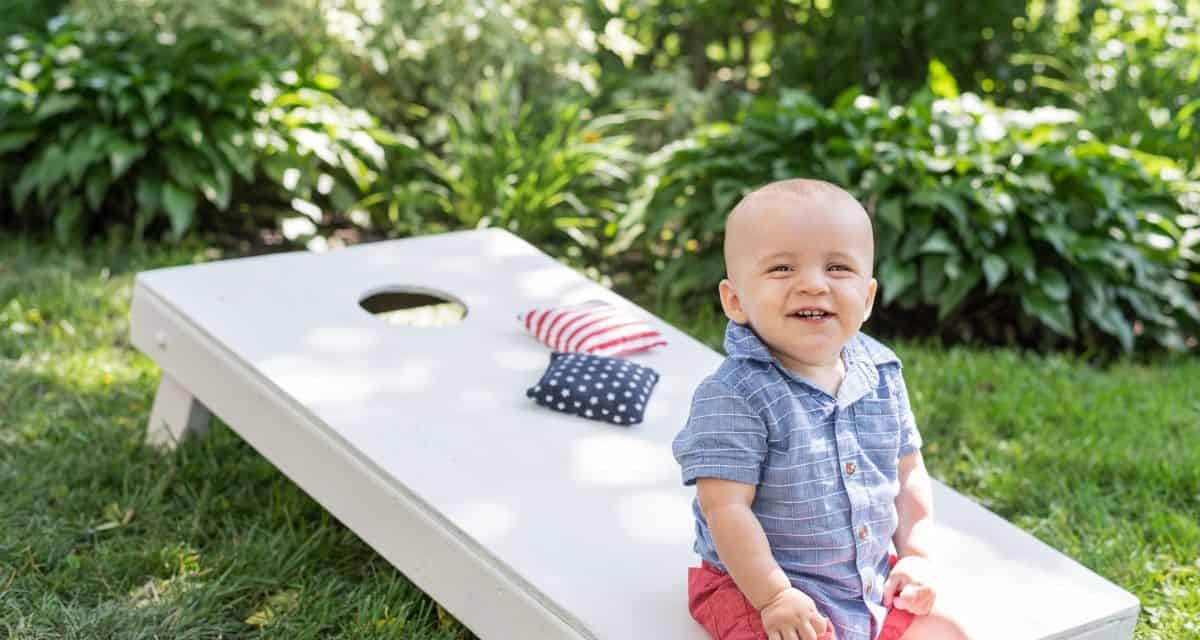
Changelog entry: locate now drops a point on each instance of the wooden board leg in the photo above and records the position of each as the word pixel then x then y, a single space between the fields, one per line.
pixel 176 413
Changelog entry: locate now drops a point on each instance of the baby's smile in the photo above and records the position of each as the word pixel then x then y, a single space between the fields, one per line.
pixel 812 315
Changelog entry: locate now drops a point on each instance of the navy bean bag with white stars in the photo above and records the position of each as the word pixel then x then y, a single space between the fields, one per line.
pixel 595 387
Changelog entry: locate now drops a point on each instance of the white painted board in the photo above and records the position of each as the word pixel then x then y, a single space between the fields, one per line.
pixel 521 521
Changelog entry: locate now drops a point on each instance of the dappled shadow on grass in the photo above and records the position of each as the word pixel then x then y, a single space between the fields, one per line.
pixel 101 537
pixel 107 538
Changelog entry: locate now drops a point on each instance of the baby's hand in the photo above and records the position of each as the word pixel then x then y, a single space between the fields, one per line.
pixel 791 614
pixel 911 585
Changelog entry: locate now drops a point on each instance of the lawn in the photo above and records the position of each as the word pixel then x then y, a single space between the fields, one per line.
pixel 100 537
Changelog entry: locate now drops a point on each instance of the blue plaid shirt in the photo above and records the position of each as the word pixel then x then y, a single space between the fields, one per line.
pixel 825 467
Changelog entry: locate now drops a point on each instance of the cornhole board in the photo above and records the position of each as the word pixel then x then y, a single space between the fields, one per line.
pixel 521 522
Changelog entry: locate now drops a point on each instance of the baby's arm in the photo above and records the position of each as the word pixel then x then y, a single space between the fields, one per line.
pixel 910 583
pixel 740 540
pixel 743 548
pixel 914 508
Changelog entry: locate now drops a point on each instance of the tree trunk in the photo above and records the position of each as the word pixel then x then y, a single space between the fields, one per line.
pixel 695 42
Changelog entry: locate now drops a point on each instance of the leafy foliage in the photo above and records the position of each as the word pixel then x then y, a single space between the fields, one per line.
pixel 1130 67
pixel 406 62
pixel 24 15
pixel 821 47
pixel 1008 223
pixel 140 126
pixel 550 171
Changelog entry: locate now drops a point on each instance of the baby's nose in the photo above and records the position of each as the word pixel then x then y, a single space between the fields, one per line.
pixel 810 282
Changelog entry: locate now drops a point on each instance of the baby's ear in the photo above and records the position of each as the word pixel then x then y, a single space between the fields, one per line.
pixel 731 303
pixel 871 287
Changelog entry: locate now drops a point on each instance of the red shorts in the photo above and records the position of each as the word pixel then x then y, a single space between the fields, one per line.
pixel 716 603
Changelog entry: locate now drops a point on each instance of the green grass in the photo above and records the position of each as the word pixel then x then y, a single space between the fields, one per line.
pixel 100 537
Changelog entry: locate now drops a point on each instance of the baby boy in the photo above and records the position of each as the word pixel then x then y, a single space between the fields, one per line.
pixel 802 445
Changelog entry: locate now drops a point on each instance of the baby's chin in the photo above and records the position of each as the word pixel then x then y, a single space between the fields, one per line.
pixel 806 355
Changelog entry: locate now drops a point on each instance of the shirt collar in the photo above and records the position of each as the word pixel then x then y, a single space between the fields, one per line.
pixel 861 373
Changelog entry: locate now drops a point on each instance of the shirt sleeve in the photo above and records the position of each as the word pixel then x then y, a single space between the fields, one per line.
pixel 910 437
pixel 723 437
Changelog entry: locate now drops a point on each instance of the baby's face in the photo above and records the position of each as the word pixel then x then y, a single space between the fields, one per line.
pixel 800 274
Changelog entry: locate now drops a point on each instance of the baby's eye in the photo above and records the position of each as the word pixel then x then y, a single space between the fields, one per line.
pixel 779 267
pixel 839 267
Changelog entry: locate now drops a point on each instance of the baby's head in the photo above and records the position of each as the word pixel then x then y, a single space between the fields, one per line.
pixel 798 263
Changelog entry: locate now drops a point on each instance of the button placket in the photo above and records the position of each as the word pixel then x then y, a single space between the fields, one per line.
pixel 859 505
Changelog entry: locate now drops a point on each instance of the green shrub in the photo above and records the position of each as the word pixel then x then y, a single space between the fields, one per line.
pixel 1011 224
pixel 1130 67
pixel 546 169
pixel 27 15
pixel 105 128
pixel 405 62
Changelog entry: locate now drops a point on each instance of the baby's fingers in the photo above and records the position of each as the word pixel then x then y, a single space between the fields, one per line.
pixel 790 633
pixel 892 586
pixel 819 624
pixel 915 598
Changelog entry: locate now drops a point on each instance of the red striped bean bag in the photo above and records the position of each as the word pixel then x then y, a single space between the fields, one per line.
pixel 594 327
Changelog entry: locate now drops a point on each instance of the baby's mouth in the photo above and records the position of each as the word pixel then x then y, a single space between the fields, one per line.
pixel 811 314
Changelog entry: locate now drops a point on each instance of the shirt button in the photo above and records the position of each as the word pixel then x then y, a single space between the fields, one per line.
pixel 851 468
pixel 869 588
pixel 862 532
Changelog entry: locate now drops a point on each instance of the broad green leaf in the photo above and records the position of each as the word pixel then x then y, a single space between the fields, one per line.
pixel 941 81
pixel 887 238
pixel 67 220
pixel 1021 258
pixel 994 269
pixel 920 221
pixel 78 158
pixel 326 81
pixel 189 129
pixel 99 137
pixel 30 177
pixel 1055 315
pixel 242 159
pixel 943 200
pixel 154 91
pixel 392 139
pixel 122 154
pixel 96 186
pixel 846 98
pixel 939 242
pixel 149 199
pixel 933 277
pixel 14 140
pixel 148 193
pixel 1110 320
pixel 24 86
pixel 183 167
pixel 53 169
pixel 957 290
pixel 726 192
pixel 1054 284
pixel 180 205
pixel 1059 236
pixel 890 212
pixel 216 187
pixel 56 103
pixel 895 278
pixel 127 102
pixel 141 126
